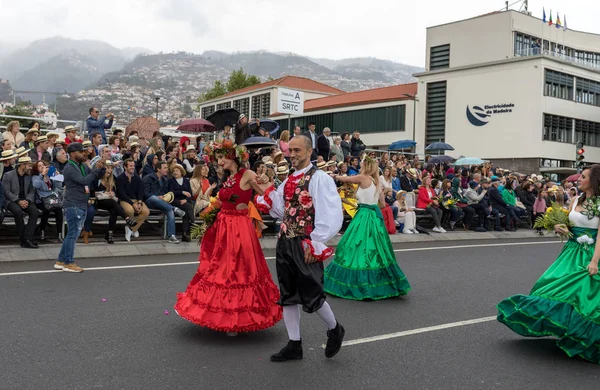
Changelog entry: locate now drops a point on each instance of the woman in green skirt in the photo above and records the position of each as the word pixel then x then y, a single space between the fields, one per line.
pixel 365 266
pixel 565 301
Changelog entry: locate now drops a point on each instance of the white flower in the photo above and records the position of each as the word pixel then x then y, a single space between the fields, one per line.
pixel 585 240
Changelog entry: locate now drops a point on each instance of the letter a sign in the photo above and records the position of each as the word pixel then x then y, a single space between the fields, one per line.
pixel 290 102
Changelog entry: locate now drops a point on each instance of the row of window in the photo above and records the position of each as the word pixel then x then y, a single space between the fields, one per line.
pixel 562 86
pixel 531 44
pixel 261 105
pixel 560 128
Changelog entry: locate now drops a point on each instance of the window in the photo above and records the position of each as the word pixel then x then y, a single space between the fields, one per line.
pixel 206 111
pixel 242 105
pixel 558 85
pixel 557 128
pixel 435 122
pixel 588 92
pixel 587 132
pixel 439 57
pixel 527 45
pixel 221 106
pixel 261 105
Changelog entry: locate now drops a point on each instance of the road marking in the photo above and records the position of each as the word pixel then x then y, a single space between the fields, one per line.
pixel 416 331
pixel 268 258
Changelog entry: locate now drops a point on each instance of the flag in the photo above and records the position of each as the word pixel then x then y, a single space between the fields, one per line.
pixel 557 21
pixel 550 21
pixel 565 24
pixel 544 19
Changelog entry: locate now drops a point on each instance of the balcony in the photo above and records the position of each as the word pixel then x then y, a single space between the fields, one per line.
pixel 533 51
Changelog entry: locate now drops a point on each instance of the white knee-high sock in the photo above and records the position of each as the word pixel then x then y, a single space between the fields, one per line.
pixel 291 317
pixel 327 316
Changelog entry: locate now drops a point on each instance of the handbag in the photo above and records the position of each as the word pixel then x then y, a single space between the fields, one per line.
pixel 52 201
pixel 102 195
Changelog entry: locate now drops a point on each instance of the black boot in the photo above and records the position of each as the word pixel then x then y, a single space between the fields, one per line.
pixel 109 237
pixel 292 351
pixel 186 238
pixel 334 340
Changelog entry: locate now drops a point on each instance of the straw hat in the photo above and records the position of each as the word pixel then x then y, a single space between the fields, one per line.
pixel 267 159
pixel 7 155
pixel 108 163
pixel 33 131
pixel 40 139
pixel 21 151
pixel 278 153
pixel 282 170
pixel 322 165
pixel 24 160
pixel 168 197
pixel 52 134
pixel 86 144
pixel 69 129
pixel 330 163
pixel 60 141
pixel 190 148
pixel 181 169
pixel 133 144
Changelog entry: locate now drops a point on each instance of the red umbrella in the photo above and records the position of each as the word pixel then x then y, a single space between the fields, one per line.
pixel 574 178
pixel 197 125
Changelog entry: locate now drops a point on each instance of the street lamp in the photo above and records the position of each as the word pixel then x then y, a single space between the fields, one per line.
pixel 415 100
pixel 157 99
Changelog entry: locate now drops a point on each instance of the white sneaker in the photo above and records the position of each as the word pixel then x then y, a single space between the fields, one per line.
pixel 442 230
pixel 136 234
pixel 405 231
pixel 128 233
pixel 173 240
pixel 436 229
pixel 179 212
pixel 415 231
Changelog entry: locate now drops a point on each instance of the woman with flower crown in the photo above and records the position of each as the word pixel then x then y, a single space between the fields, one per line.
pixel 232 290
pixel 365 266
pixel 565 300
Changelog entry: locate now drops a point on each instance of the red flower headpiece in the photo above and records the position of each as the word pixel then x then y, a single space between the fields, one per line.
pixel 228 149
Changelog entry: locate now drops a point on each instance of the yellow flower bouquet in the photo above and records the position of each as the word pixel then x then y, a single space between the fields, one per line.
pixel 555 215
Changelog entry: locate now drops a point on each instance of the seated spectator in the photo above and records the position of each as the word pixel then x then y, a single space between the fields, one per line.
pixel 30 138
pixel 60 160
pixel 45 188
pixel 8 159
pixel 19 196
pixel 130 191
pixel 156 186
pixel 510 198
pixel 202 189
pixel 453 211
pixel 191 160
pixel 408 181
pixel 498 203
pixel 13 134
pixel 150 166
pixel 427 200
pixel 180 186
pixel 40 152
pixel 386 178
pixel 474 201
pixel 406 215
pixel 7 145
pixel 106 154
pixel 395 180
pixel 462 203
pixel 71 135
pixel 354 167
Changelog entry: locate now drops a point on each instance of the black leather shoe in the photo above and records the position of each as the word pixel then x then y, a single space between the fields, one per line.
pixel 29 244
pixel 334 340
pixel 292 351
pixel 186 238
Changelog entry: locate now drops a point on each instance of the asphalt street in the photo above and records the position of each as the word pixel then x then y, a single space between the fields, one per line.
pixel 57 333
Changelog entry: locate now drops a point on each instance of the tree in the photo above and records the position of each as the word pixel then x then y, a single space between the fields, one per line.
pixel 18 111
pixel 237 80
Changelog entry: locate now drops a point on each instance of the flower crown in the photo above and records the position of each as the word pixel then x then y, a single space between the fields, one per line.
pixel 368 159
pixel 228 149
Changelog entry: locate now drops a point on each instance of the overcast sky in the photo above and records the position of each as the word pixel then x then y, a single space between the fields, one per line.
pixel 387 29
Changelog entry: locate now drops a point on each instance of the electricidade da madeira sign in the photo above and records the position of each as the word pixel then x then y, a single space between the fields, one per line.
pixel 290 101
pixel 478 116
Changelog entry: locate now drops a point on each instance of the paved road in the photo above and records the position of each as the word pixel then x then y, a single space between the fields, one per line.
pixel 58 334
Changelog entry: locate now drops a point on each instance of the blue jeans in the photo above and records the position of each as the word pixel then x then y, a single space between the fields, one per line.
pixel 154 202
pixel 91 213
pixel 75 218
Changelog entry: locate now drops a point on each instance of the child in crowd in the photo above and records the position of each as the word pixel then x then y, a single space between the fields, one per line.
pixel 539 208
pixel 406 215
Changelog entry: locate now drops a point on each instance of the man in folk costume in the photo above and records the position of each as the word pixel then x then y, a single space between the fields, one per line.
pixel 310 208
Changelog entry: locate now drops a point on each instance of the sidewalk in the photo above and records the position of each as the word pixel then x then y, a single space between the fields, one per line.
pixel 160 247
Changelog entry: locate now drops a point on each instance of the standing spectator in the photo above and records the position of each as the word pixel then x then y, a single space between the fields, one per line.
pixel 77 179
pixel 284 141
pixel 19 196
pixel 346 145
pixel 44 188
pixel 336 150
pixel 297 131
pixel 13 133
pixel 313 139
pixel 156 186
pixel 40 153
pixel 97 125
pixel 180 186
pixel 242 130
pixel 357 145
pixel 323 145
pixel 539 208
pixel 130 191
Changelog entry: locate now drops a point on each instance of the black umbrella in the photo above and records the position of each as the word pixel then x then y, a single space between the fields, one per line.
pixel 226 115
pixel 441 159
pixel 269 125
pixel 439 146
pixel 259 142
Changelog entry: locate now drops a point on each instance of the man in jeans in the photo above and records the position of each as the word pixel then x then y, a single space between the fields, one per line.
pixel 77 178
pixel 20 200
pixel 156 186
pixel 130 191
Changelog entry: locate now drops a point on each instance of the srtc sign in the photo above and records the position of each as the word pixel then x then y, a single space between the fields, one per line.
pixel 290 102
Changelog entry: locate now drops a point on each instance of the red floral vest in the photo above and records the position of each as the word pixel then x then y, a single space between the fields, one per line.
pixel 299 214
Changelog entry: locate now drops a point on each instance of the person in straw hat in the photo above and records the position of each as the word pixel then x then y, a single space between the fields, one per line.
pixel 20 200
pixel 30 138
pixel 71 135
pixel 78 178
pixel 180 186
pixel 191 159
pixel 40 152
pixel 8 160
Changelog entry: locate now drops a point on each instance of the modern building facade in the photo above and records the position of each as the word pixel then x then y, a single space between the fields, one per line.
pixel 507 87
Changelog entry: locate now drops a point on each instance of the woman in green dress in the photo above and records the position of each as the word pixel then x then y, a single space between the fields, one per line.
pixel 365 266
pixel 565 301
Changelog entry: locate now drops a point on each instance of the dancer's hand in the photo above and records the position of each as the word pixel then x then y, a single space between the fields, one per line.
pixel 561 229
pixel 593 267
pixel 308 257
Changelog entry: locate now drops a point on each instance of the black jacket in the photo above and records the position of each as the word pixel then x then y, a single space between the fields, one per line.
pixel 154 186
pixel 408 185
pixel 496 198
pixel 357 147
pixel 128 190
pixel 323 147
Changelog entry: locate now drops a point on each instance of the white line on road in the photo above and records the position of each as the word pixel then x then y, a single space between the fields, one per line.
pixel 270 258
pixel 416 331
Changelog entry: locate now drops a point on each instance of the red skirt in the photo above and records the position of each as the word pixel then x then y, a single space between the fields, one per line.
pixel 388 219
pixel 233 290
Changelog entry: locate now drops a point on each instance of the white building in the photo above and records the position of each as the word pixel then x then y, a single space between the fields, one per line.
pixel 507 87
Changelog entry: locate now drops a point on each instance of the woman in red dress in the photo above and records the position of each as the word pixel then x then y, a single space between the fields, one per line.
pixel 233 290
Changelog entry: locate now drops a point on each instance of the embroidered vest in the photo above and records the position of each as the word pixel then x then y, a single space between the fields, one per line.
pixel 299 215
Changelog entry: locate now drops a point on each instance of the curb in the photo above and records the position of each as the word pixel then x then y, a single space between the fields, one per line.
pixel 161 247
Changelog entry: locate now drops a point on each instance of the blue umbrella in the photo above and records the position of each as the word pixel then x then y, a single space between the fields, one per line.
pixel 441 159
pixel 469 161
pixel 439 146
pixel 269 125
pixel 403 144
pixel 259 142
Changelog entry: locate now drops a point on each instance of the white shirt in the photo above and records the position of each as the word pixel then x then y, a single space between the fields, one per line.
pixel 326 200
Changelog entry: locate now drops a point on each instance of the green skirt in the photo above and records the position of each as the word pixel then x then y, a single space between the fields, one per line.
pixel 564 302
pixel 365 266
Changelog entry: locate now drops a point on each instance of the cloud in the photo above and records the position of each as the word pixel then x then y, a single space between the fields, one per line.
pixel 188 12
